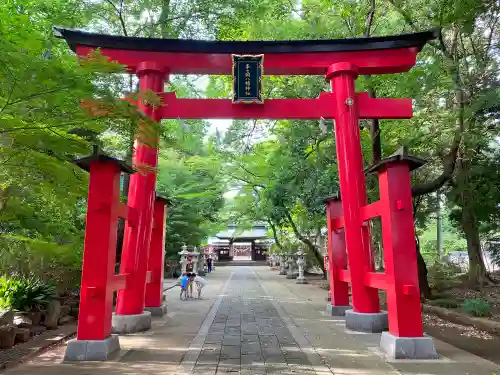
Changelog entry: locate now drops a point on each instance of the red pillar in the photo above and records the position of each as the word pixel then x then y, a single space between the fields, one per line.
pixel 99 254
pixel 337 255
pixel 154 289
pixel 352 184
pixel 141 197
pixel 400 254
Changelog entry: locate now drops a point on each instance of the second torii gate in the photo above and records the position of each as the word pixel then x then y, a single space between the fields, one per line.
pixel 341 62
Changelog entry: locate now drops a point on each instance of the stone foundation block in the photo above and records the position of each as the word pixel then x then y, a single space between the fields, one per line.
pixel 157 311
pixel 301 280
pixel 131 323
pixel 408 347
pixel 332 310
pixel 366 322
pixel 92 350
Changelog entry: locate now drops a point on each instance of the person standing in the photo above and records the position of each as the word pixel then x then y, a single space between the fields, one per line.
pixel 209 264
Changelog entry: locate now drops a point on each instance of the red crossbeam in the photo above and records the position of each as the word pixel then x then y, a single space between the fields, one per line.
pixel 276 109
pixel 119 282
pixel 376 280
pixel 344 275
pixel 368 212
pixel 368 62
pixel 371 211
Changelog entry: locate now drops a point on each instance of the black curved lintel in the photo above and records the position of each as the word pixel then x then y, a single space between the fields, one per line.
pixel 77 37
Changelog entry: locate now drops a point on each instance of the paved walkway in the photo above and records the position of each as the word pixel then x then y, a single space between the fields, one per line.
pixel 253 321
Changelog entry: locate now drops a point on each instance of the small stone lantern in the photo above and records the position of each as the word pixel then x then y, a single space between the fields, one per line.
pixel 282 263
pixel 274 261
pixel 301 261
pixel 184 258
pixel 194 257
pixel 201 267
pixel 291 262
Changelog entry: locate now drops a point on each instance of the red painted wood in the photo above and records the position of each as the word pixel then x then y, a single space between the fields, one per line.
pixel 99 254
pixel 376 280
pixel 400 254
pixel 337 255
pixel 119 282
pixel 370 211
pixel 368 62
pixel 141 197
pixel 294 109
pixel 154 289
pixel 344 275
pixel 352 185
pixel 122 210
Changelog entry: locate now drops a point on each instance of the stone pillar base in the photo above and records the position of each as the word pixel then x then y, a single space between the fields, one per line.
pixel 408 347
pixel 366 322
pixel 332 310
pixel 282 272
pixel 92 350
pixel 301 280
pixel 157 311
pixel 131 323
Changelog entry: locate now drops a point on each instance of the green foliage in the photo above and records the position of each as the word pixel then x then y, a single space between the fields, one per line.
pixel 24 293
pixel 477 307
pixel 195 186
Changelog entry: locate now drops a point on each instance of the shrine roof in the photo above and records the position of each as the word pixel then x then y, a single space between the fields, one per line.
pixel 82 38
pixel 232 233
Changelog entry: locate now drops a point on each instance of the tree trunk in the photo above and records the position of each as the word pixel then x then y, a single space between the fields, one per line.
pixel 313 249
pixel 423 281
pixel 478 276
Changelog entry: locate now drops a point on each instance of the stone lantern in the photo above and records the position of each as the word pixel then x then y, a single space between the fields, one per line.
pixel 290 260
pixel 201 267
pixel 194 257
pixel 301 261
pixel 282 263
pixel 274 261
pixel 184 259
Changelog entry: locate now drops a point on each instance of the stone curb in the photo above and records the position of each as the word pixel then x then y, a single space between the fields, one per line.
pixel 30 349
pixel 464 319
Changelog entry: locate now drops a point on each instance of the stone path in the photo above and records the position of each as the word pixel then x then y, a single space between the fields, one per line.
pixel 253 321
pixel 248 334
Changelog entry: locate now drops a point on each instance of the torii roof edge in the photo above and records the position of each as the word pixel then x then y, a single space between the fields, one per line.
pixel 77 37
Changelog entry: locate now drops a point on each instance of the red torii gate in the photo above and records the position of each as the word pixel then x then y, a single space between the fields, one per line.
pixel 341 61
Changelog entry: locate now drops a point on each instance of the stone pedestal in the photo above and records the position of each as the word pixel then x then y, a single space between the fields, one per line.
pixel 366 322
pixel 408 347
pixel 159 311
pixel 301 261
pixel 184 259
pixel 282 264
pixel 194 257
pixel 290 274
pixel 332 310
pixel 201 266
pixel 131 323
pixel 92 350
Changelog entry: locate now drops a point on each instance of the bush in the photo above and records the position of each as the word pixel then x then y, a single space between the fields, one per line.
pixel 476 307
pixel 25 293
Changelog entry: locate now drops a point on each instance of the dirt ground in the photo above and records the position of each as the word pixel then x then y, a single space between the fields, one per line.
pixel 470 339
